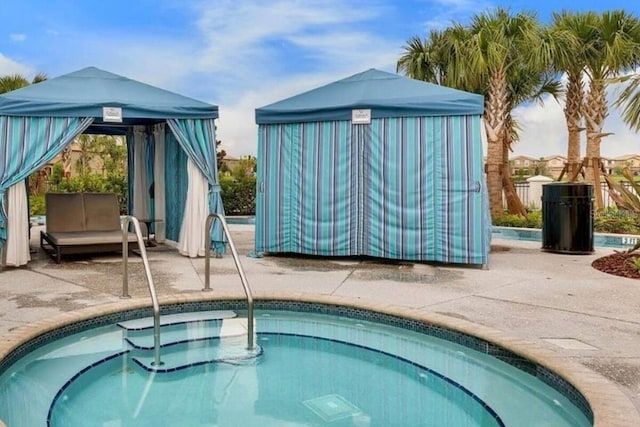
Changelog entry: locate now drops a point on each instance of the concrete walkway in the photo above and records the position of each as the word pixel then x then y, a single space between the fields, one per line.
pixel 558 302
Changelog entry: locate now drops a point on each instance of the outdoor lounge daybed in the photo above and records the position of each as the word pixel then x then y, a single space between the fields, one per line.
pixel 79 223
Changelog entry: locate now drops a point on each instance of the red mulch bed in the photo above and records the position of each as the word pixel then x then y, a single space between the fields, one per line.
pixel 619 264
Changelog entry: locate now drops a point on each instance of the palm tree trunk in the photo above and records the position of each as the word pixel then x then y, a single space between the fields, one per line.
pixel 596 111
pixel 514 204
pixel 573 111
pixel 494 117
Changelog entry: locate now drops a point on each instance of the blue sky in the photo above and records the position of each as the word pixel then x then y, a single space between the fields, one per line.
pixel 244 54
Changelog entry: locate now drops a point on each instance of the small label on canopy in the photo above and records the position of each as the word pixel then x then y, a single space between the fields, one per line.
pixel 361 117
pixel 112 114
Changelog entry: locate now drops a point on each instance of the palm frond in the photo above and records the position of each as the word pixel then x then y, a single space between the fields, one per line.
pixel 629 101
pixel 623 197
pixel 39 78
pixel 12 82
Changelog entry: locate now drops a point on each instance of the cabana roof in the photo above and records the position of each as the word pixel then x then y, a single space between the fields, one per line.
pixel 386 94
pixel 85 92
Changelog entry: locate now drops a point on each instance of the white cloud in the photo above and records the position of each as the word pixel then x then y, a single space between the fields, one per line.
pixel 237 129
pixel 447 11
pixel 253 40
pixel 543 129
pixel 248 48
pixel 18 37
pixel 9 66
pixel 240 55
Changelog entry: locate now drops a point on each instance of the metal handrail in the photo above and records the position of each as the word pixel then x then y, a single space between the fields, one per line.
pixel 243 278
pixel 147 270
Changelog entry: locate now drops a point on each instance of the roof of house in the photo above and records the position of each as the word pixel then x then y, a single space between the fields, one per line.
pixel 523 158
pixel 626 157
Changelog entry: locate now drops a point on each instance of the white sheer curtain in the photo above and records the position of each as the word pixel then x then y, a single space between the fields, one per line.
pixel 192 239
pixel 158 179
pixel 140 182
pixel 17 244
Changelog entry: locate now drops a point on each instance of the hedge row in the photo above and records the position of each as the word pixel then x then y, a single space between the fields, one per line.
pixel 238 195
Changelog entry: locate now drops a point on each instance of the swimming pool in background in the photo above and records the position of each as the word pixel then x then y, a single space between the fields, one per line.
pixel 604 240
pixel 315 365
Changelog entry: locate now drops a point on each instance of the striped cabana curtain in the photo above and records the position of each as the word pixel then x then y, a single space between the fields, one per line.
pixel 423 194
pixel 177 183
pixel 27 144
pixel 400 188
pixel 307 199
pixel 137 150
pixel 197 137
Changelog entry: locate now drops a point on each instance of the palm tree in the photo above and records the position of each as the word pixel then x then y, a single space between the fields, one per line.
pixel 416 61
pixel 431 59
pixel 570 37
pixel 501 43
pixel 616 49
pixel 17 81
pixel 526 84
pixel 629 101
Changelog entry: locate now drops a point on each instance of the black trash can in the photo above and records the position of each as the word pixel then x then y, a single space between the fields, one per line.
pixel 567 218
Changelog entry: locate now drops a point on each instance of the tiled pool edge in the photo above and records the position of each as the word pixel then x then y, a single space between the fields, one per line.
pixel 609 405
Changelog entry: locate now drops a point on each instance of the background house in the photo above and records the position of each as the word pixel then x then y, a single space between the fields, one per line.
pixel 632 161
pixel 554 165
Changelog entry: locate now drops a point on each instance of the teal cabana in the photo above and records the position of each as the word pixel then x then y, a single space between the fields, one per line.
pixel 377 165
pixel 170 140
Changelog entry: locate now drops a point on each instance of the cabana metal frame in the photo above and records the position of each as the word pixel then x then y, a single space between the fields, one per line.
pixel 37 122
pixel 377 165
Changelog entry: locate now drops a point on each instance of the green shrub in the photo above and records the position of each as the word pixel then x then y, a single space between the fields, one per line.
pixel 238 195
pixel 116 182
pixel 36 205
pixel 605 221
pixel 88 183
pixel 533 220
pixel 615 221
pixel 57 173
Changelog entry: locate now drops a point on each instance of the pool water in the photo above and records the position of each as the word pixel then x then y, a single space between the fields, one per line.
pixel 307 370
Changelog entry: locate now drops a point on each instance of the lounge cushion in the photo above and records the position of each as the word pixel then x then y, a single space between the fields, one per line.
pixel 65 212
pixel 101 212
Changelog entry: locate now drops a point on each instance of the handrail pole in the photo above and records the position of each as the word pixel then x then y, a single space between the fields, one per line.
pixel 152 287
pixel 243 278
pixel 125 258
pixel 207 253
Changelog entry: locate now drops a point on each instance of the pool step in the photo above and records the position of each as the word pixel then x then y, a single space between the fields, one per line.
pixel 188 332
pixel 176 319
pixel 229 350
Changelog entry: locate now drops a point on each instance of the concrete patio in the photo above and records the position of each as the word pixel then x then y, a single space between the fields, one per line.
pixel 555 304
